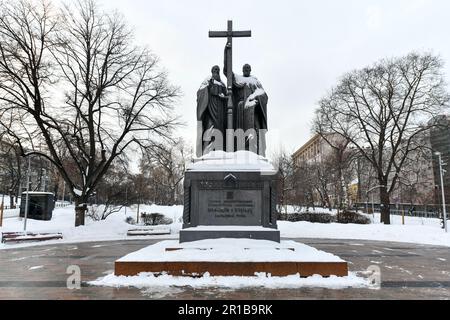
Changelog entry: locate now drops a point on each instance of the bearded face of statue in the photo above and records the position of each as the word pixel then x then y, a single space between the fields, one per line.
pixel 246 70
pixel 216 73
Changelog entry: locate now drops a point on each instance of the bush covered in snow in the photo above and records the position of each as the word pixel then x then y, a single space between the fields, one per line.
pixel 344 217
pixel 153 219
pixel 309 217
pixel 130 220
pixel 352 217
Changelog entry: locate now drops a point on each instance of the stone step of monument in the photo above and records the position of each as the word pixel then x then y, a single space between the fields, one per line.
pixel 241 269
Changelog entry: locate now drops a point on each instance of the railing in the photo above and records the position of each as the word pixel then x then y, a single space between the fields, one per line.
pixel 409 210
pixel 420 214
pixel 9 212
pixel 62 204
pixel 5 207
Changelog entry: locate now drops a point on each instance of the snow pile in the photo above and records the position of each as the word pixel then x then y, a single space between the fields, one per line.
pixel 231 250
pixel 157 283
pixel 232 161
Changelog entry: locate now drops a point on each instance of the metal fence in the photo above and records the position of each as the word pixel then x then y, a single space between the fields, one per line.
pixel 409 210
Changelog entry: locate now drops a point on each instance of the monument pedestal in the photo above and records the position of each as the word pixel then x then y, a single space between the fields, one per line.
pixel 230 195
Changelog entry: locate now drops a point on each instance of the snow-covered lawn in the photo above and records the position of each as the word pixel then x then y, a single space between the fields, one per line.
pixel 415 230
pixel 416 233
pixel 113 228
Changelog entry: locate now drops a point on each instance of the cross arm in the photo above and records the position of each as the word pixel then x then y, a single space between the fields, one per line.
pixel 234 34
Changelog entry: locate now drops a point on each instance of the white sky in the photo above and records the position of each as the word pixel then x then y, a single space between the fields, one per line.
pixel 298 49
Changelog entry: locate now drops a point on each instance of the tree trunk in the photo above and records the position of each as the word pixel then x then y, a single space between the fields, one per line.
pixel 11 200
pixel 385 206
pixel 80 210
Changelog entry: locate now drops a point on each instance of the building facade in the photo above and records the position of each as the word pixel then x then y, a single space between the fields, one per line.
pixel 440 142
pixel 315 150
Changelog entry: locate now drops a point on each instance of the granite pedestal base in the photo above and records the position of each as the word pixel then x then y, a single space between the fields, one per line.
pixel 199 233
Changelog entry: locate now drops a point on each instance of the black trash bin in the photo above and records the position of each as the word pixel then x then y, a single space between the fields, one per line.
pixel 40 205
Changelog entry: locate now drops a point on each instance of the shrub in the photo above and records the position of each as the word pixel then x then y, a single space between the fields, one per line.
pixel 130 220
pixel 352 217
pixel 309 217
pixel 153 219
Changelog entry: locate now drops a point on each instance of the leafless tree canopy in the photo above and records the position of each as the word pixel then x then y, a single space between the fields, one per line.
pixel 73 80
pixel 163 168
pixel 382 109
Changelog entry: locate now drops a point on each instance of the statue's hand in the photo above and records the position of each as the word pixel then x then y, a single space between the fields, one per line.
pixel 251 103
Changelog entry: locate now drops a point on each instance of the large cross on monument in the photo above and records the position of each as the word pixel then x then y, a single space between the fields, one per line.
pixel 230 34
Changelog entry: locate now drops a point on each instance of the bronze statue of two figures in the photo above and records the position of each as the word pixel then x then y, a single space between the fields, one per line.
pixel 231 116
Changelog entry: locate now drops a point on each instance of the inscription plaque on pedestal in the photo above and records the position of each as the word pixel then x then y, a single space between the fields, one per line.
pixel 230 207
pixel 243 203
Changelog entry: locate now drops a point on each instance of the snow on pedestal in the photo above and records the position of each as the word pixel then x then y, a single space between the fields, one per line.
pixel 232 161
pixel 230 250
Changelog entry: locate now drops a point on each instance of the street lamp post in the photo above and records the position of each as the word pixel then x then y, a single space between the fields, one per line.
pixel 126 197
pixel 373 206
pixel 64 193
pixel 441 171
pixel 1 209
pixel 27 196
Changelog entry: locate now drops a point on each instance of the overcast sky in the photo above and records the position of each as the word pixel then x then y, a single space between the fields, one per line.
pixel 298 49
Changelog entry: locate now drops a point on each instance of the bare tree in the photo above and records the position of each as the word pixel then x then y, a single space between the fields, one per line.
pixel 11 167
pixel 381 110
pixel 305 186
pixel 284 164
pixel 115 95
pixel 114 191
pixel 163 166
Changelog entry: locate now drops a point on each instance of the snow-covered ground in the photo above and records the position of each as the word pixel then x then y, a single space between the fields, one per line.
pixel 113 228
pixel 7 213
pixel 411 233
pixel 415 230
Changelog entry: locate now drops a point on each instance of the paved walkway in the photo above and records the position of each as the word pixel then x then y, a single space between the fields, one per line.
pixel 408 271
